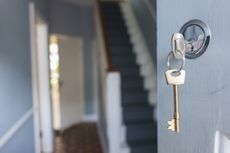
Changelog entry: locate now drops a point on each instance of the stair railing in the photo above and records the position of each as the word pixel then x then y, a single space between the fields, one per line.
pixel 110 114
pixel 105 37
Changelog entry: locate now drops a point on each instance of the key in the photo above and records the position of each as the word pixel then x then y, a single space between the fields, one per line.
pixel 175 80
pixel 178 44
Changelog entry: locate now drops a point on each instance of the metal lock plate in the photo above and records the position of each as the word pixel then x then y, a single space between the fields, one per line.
pixel 197 35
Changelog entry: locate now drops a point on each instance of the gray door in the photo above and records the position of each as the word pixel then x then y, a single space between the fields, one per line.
pixel 205 96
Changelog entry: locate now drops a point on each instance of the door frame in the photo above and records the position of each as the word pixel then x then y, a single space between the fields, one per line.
pixel 40 81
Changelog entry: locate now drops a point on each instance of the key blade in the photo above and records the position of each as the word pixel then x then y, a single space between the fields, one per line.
pixel 171 125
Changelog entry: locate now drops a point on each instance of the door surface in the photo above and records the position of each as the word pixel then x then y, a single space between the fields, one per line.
pixel 71 75
pixel 205 96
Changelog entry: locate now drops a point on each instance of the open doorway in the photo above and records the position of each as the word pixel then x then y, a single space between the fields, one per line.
pixel 73 133
pixel 66 64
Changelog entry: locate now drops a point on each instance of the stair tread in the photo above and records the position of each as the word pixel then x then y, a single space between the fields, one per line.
pixel 130 83
pixel 131 96
pixel 119 41
pixel 132 90
pixel 141 133
pixel 123 46
pixel 129 73
pixel 110 5
pixel 114 26
pixel 113 10
pixel 116 30
pixel 134 93
pixel 122 61
pixel 133 67
pixel 118 36
pixel 113 18
pixel 144 148
pixel 124 53
pixel 145 114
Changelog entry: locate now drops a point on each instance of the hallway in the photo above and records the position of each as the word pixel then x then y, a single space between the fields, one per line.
pixel 81 138
pixel 84 68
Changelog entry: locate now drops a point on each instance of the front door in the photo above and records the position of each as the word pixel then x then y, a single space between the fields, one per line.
pixel 205 96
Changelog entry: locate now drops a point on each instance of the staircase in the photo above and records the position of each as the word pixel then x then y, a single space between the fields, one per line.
pixel 141 130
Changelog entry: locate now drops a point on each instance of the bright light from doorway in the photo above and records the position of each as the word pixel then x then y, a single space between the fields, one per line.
pixel 54 46
pixel 54 70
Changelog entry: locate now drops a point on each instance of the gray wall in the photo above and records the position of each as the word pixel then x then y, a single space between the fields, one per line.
pixel 22 141
pixel 71 19
pixel 146 22
pixel 88 77
pixel 65 18
pixel 88 35
pixel 15 70
pixel 204 98
pixel 15 78
pixel 43 7
pixel 75 20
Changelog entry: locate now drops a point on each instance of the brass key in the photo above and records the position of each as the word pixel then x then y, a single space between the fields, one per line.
pixel 175 79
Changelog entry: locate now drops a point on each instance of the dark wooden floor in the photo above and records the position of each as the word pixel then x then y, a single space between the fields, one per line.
pixel 81 138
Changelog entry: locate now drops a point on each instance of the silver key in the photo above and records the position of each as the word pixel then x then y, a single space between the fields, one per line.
pixel 178 45
pixel 175 79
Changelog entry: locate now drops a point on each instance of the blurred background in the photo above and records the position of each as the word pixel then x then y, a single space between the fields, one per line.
pixel 78 76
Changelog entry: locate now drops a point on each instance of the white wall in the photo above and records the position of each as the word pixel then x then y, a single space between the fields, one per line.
pixel 71 76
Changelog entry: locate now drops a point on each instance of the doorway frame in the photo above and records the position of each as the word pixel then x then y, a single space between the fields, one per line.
pixel 39 37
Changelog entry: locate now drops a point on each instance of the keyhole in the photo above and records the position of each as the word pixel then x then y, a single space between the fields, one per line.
pixel 198 35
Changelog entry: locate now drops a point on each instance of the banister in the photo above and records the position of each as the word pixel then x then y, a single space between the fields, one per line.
pixel 105 37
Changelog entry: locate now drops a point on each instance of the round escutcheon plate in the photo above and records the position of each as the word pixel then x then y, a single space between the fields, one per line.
pixel 196 33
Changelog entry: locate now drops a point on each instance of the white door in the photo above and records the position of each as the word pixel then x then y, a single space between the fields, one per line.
pixel 71 76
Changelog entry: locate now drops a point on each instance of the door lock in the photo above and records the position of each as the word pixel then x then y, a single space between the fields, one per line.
pixel 193 39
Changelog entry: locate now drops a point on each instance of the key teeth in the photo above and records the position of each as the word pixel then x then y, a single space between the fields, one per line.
pixel 171 125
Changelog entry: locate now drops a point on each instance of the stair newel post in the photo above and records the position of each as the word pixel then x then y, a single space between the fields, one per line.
pixel 113 111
